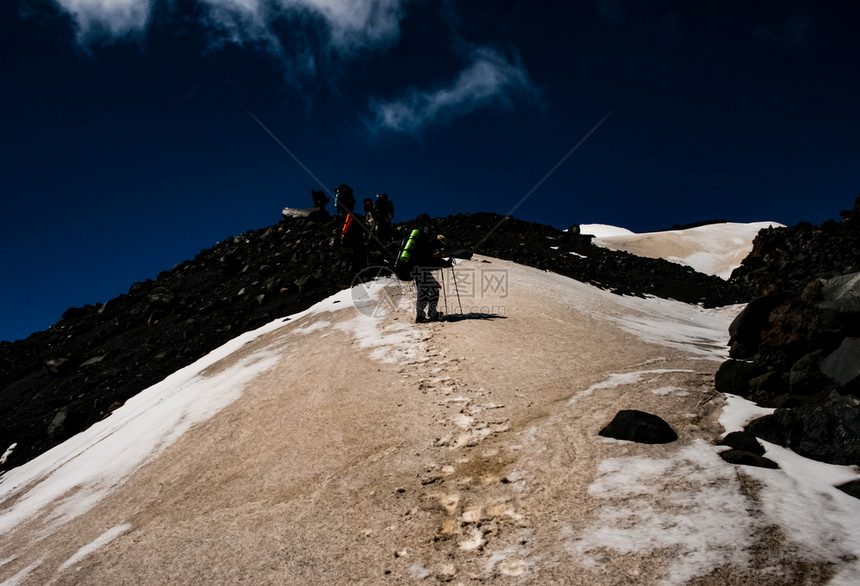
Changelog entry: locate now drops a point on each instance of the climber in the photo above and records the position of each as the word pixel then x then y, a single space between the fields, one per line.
pixel 427 257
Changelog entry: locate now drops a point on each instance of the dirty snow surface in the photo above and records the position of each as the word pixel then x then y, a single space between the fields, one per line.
pixel 348 445
pixel 715 249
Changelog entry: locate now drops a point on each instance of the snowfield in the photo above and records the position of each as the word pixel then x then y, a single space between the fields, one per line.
pixel 715 249
pixel 332 447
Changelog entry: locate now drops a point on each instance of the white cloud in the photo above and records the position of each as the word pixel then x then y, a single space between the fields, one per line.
pixel 111 18
pixel 357 23
pixel 240 21
pixel 489 78
pixel 351 24
pixel 302 34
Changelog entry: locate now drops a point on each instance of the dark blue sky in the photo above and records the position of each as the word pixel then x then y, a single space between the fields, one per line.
pixel 127 143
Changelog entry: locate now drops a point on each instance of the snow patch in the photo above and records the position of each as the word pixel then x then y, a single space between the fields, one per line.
pixel 654 320
pixel 616 380
pixel 313 327
pixel 418 572
pixel 689 504
pixel 677 325
pixel 100 541
pixel 398 343
pixel 663 391
pixel 821 519
pixel 22 575
pixel 738 412
pixel 7 453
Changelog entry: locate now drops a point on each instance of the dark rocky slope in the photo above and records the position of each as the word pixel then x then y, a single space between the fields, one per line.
pixel 58 382
pixel 796 346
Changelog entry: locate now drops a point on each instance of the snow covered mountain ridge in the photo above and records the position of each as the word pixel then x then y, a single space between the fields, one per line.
pixel 715 249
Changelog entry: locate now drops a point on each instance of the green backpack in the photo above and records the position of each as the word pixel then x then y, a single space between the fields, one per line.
pixel 405 262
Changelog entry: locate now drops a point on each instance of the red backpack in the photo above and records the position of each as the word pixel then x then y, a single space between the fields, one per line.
pixel 350 229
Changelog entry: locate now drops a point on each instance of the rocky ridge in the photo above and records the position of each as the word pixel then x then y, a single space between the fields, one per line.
pixel 796 346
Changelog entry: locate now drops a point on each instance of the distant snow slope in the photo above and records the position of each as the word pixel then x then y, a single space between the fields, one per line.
pixel 715 249
pixel 603 230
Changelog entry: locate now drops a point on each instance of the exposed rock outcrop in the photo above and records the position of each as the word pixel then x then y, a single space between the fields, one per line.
pixel 797 346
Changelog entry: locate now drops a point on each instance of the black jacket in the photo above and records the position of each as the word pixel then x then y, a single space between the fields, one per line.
pixel 424 255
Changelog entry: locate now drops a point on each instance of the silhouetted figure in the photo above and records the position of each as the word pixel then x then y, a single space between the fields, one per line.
pixel 370 215
pixel 320 199
pixel 344 200
pixel 427 255
pixel 384 216
pixel 318 212
pixel 351 235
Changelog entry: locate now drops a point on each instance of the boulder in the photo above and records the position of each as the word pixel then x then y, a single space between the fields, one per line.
pixel 734 376
pixel 60 365
pixel 842 293
pixel 92 361
pixel 136 288
pixel 842 366
pixel 305 282
pixel 805 376
pixel 161 297
pixel 57 421
pixel 836 324
pixel 746 329
pixel 765 387
pixel 793 332
pixel 743 458
pixel 638 426
pixel 827 430
pixel 74 313
pixel 66 422
pixel 744 441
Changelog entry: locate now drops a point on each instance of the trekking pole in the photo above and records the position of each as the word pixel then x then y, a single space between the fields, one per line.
pixel 444 291
pixel 456 288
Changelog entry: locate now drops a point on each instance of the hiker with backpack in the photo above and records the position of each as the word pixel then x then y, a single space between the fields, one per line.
pixel 344 201
pixel 384 214
pixel 352 235
pixel 370 215
pixel 320 199
pixel 318 213
pixel 426 257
